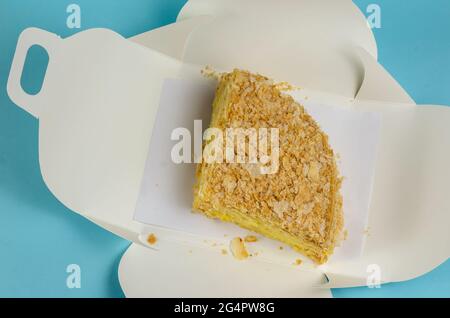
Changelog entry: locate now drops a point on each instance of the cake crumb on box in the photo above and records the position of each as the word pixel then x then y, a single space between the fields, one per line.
pixel 366 231
pixel 250 239
pixel 298 262
pixel 151 239
pixel 238 249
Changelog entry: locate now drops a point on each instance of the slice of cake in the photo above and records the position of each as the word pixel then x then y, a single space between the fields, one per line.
pixel 299 202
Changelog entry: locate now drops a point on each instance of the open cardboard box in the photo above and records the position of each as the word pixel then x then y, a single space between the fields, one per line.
pixel 97 109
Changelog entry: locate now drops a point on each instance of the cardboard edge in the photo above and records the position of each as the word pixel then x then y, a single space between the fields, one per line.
pixel 378 85
pixel 336 280
pixel 171 39
pixel 135 260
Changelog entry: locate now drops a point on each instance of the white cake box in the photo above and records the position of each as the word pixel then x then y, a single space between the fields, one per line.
pixel 97 110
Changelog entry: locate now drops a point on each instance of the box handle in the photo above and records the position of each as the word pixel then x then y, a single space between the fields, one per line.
pixel 28 38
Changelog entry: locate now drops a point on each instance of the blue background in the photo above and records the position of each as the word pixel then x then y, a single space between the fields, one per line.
pixel 39 237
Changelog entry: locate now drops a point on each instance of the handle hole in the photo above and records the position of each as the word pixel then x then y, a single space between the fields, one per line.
pixel 34 69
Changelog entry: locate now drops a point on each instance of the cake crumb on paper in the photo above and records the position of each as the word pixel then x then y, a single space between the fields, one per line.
pixel 250 239
pixel 209 72
pixel 298 262
pixel 224 252
pixel 238 249
pixel 367 231
pixel 151 239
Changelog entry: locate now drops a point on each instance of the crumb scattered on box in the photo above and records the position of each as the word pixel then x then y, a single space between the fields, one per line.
pixel 238 249
pixel 151 239
pixel 250 239
pixel 366 232
pixel 298 262
pixel 209 72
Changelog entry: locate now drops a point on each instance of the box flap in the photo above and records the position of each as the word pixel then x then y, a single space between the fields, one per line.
pixel 205 273
pixel 378 84
pixel 94 126
pixel 409 214
pixel 297 41
pixel 366 75
pixel 171 39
